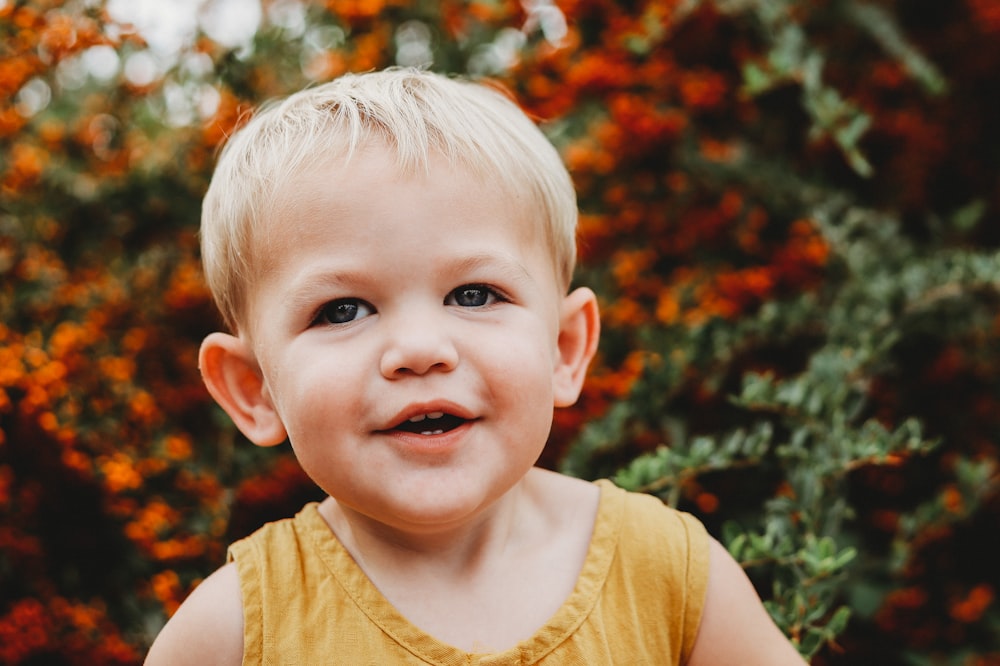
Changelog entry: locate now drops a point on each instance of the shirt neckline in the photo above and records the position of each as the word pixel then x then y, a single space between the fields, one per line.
pixel 570 615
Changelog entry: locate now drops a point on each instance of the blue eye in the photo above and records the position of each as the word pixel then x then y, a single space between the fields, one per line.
pixel 472 296
pixel 343 310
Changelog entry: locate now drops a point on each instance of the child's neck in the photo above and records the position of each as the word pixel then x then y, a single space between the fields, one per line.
pixel 490 583
pixel 453 549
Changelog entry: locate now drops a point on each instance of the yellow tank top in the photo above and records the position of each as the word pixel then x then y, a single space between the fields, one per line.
pixel 638 598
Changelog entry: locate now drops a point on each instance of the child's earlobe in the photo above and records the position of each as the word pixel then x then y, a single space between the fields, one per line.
pixel 579 332
pixel 231 376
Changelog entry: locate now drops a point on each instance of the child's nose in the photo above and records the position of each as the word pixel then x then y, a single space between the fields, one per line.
pixel 417 346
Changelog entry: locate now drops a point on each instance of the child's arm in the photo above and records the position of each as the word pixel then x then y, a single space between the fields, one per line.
pixel 207 628
pixel 735 627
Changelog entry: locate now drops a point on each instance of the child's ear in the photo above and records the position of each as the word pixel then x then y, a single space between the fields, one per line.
pixel 579 331
pixel 231 375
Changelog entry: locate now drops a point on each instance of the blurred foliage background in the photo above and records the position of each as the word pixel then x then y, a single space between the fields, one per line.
pixel 790 211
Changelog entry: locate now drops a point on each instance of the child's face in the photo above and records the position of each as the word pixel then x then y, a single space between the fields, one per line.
pixel 407 333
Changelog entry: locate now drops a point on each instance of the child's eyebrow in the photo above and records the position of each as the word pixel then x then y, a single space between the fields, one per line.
pixel 507 265
pixel 304 289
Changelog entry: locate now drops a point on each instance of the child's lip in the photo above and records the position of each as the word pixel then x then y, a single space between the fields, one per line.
pixel 421 410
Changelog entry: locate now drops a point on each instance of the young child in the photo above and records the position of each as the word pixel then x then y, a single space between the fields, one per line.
pixel 392 253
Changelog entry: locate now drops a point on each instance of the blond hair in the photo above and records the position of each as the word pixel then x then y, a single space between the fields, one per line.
pixel 416 114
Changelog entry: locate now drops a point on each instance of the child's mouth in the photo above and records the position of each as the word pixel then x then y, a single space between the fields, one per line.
pixel 435 423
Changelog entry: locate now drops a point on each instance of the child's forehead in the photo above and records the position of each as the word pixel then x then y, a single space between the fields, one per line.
pixel 372 179
pixel 378 172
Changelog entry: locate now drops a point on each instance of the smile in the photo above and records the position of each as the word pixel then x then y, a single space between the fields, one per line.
pixel 434 423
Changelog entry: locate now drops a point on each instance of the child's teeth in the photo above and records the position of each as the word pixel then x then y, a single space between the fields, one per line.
pixel 432 415
pixel 432 432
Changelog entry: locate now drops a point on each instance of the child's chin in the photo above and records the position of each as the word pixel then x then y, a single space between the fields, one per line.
pixel 443 504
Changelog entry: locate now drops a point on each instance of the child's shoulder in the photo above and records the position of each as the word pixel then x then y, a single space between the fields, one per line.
pixel 730 625
pixel 208 626
pixel 735 627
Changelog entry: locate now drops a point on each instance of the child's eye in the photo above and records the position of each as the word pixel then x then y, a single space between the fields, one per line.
pixel 473 296
pixel 343 310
